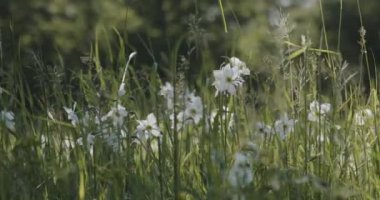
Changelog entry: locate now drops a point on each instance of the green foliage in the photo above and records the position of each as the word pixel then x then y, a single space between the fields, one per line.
pixel 299 126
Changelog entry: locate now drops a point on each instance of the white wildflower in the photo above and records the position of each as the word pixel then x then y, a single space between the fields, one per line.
pixel 284 126
pixel 148 127
pixel 90 140
pixel 8 118
pixel 117 115
pixel 182 120
pixel 242 67
pixel 112 140
pixel 133 54
pixel 227 80
pixel 121 91
pixel 68 143
pixel 44 141
pixel 90 143
pixel 168 92
pixel 263 129
pixel 86 119
pixel 192 113
pixel 71 114
pixel 194 109
pixel 318 111
pixel 240 175
pixel 363 116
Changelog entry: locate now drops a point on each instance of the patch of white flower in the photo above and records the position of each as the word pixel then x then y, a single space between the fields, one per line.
pixel 240 174
pixel 71 115
pixel 284 126
pixel 263 129
pixel 229 78
pixel 90 140
pixel 318 111
pixel 192 110
pixel 148 128
pixel 117 115
pixel 8 118
pixel 363 116
pixel 167 91
pixel 121 91
pixel 236 62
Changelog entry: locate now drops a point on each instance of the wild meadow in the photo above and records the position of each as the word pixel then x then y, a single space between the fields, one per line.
pixel 305 128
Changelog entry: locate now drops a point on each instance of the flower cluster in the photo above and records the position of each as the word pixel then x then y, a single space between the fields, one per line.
pixel 192 112
pixel 282 127
pixel 362 117
pixel 167 91
pixel 240 175
pixel 318 111
pixel 191 106
pixel 229 78
pixel 263 129
pixel 116 115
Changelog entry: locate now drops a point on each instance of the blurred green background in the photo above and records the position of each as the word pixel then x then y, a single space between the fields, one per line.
pixel 39 35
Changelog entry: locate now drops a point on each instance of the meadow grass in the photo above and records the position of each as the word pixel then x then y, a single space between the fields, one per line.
pixel 305 131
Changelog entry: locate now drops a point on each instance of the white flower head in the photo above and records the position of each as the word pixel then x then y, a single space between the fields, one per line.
pixel 363 116
pixel 242 67
pixel 90 143
pixel 112 140
pixel 318 111
pixel 192 112
pixel 148 127
pixel 263 129
pixel 227 80
pixel 44 141
pixel 133 54
pixel 8 118
pixel 181 120
pixel 117 115
pixel 71 115
pixel 167 91
pixel 68 143
pixel 194 109
pixel 86 119
pixel 284 126
pixel 121 91
pixel 240 175
pixel 90 140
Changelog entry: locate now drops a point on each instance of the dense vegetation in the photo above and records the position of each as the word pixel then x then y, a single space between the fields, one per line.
pixel 191 100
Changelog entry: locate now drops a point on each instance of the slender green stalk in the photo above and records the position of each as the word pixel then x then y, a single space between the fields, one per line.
pixel 223 17
pixel 340 23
